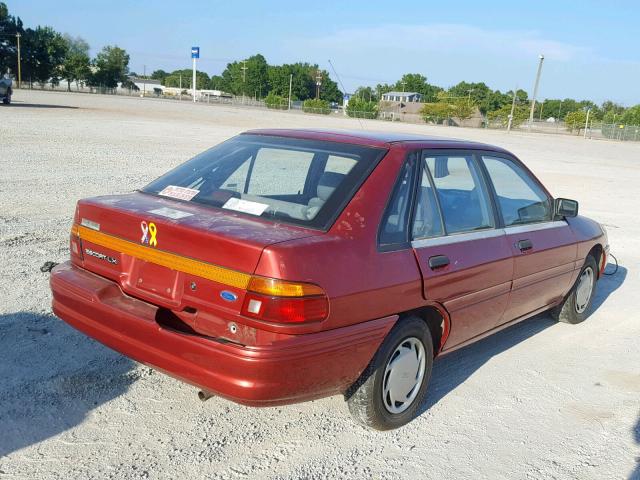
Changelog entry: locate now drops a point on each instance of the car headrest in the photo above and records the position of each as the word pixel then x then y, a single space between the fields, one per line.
pixel 442 167
pixel 329 181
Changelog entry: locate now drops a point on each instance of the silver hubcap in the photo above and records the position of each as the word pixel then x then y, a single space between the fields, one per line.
pixel 583 292
pixel 403 375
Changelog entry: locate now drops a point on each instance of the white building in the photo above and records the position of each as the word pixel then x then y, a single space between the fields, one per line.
pixel 405 97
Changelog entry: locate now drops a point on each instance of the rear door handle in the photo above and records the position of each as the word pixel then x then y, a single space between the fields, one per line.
pixel 438 261
pixel 524 245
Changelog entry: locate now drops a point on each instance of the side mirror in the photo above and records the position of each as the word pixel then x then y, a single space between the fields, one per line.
pixel 563 207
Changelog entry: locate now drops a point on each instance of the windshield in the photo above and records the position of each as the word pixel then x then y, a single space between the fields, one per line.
pixel 305 182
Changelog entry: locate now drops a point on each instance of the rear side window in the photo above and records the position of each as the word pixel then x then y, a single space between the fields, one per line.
pixel 305 182
pixel 426 221
pixel 394 226
pixel 462 194
pixel 520 199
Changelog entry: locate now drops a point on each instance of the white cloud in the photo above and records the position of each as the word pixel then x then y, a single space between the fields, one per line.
pixel 452 38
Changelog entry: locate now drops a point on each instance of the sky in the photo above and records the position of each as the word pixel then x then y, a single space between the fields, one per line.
pixel 590 47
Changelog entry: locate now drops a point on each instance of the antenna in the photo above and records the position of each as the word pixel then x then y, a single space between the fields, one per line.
pixel 343 89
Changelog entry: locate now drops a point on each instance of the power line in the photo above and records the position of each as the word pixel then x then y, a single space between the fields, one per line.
pixel 344 90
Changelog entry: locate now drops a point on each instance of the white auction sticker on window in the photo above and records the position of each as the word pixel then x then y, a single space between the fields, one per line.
pixel 171 213
pixel 181 193
pixel 245 206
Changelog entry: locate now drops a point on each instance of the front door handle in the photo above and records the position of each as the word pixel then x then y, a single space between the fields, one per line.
pixel 438 261
pixel 524 245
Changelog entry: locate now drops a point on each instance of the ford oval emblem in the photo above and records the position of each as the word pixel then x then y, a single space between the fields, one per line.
pixel 228 296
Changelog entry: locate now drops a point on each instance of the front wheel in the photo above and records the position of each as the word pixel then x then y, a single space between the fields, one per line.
pixel 7 100
pixel 577 305
pixel 392 389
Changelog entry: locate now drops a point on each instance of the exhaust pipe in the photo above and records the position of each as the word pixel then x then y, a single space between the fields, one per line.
pixel 204 396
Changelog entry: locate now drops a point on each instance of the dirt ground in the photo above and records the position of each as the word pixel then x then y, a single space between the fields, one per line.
pixel 539 400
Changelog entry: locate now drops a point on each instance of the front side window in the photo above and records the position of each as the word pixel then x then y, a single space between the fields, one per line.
pixel 520 199
pixel 299 181
pixel 462 195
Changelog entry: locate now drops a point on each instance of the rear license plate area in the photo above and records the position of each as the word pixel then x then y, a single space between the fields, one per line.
pixel 156 279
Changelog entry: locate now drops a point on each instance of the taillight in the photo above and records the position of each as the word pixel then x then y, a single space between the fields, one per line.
pixel 75 244
pixel 280 301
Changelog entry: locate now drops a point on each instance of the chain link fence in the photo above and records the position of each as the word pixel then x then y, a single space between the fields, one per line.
pixel 596 130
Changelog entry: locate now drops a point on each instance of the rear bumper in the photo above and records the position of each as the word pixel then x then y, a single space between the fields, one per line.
pixel 299 368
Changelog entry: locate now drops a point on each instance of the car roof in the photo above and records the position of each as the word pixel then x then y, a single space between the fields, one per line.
pixel 373 138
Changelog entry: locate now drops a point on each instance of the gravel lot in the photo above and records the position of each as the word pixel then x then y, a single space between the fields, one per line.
pixel 539 400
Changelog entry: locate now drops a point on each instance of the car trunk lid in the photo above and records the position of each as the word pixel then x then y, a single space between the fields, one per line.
pixel 178 255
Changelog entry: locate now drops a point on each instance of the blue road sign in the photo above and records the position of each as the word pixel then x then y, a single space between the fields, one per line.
pixel 195 52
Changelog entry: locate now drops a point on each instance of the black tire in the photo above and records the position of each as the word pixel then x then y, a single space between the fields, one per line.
pixel 570 311
pixel 7 100
pixel 365 397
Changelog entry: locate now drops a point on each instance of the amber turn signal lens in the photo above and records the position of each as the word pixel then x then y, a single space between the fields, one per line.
pixel 280 288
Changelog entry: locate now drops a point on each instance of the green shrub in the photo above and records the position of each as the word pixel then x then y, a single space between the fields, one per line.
pixel 575 120
pixel 316 106
pixel 520 115
pixel 276 101
pixel 360 108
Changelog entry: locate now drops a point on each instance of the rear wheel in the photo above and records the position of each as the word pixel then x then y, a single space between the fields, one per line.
pixel 7 100
pixel 577 305
pixel 391 390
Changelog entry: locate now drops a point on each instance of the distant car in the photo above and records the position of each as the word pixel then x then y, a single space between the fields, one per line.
pixel 288 265
pixel 5 89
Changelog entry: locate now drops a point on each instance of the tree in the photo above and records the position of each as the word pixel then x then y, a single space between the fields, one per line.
pixel 112 66
pixel 247 77
pixel 365 93
pixel 360 108
pixel 631 116
pixel 173 79
pixel 416 82
pixel 575 120
pixel 520 115
pixel 159 75
pixel 43 51
pixel 216 82
pixel 302 82
pixel 76 67
pixel 447 107
pixel 9 26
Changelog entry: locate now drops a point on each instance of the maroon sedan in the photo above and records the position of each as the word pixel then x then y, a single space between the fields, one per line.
pixel 288 265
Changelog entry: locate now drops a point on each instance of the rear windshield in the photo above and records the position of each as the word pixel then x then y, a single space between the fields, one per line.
pixel 305 182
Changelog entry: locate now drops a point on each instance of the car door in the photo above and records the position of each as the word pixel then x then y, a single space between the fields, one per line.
pixel 465 260
pixel 544 248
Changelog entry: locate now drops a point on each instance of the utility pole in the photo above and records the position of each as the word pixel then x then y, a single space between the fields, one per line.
pixel 290 85
pixel 144 85
pixel 318 83
pixel 180 87
pixel 403 82
pixel 541 109
pixel 513 109
pixel 535 90
pixel 244 77
pixel 18 35
pixel 586 124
